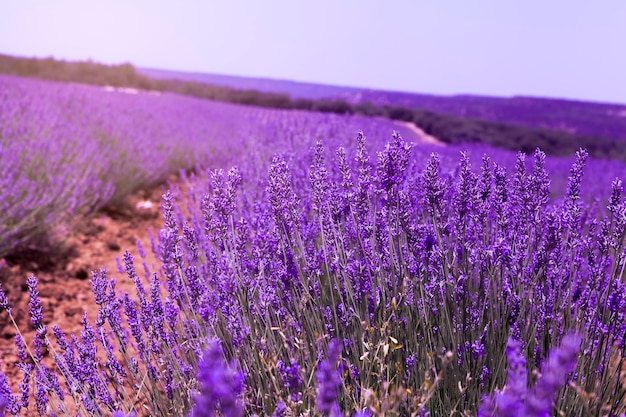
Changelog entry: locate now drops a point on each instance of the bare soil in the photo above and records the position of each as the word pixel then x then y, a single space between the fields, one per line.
pixel 425 137
pixel 64 276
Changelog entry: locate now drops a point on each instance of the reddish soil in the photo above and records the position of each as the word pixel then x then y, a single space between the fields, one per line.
pixel 64 286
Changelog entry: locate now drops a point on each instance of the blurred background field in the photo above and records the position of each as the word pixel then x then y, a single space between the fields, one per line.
pixel 73 149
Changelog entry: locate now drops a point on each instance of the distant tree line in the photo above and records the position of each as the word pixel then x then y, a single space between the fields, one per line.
pixel 447 128
pixel 87 72
pixel 454 129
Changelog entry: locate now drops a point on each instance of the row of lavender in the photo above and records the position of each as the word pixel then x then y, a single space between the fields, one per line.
pixel 417 271
pixel 70 149
pixel 66 150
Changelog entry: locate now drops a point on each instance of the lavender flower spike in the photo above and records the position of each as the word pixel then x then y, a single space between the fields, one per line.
pixel 511 401
pixel 329 381
pixel 516 399
pixel 4 301
pixel 554 372
pixel 219 386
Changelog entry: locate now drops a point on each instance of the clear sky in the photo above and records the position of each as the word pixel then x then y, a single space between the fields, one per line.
pixel 553 48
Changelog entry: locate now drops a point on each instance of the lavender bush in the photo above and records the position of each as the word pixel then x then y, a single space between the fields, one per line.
pixel 408 267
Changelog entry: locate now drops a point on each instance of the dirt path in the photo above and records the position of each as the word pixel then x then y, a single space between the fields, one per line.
pixel 425 136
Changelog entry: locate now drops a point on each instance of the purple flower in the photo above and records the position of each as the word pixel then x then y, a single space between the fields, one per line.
pixel 196 286
pixel 511 401
pixel 219 385
pixel 283 199
pixel 8 401
pixel 616 195
pixel 290 376
pixel 169 253
pixel 136 329
pixel 554 373
pixel 157 315
pixel 539 182
pixel 392 163
pixel 129 265
pixel 573 207
pixel 517 376
pixel 26 367
pixel 362 200
pixel 318 177
pixel 4 301
pixel 346 180
pixel 516 400
pixel 329 381
pixel 433 186
pixel 35 310
pixel 466 189
pixel 99 286
pixel 280 410
pixel 410 362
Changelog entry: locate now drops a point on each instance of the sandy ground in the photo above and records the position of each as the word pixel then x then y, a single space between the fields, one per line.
pixel 417 130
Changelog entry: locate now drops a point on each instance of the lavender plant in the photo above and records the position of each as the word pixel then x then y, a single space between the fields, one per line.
pixel 406 268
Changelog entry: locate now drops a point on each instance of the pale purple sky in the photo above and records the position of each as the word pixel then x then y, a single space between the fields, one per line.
pixel 553 48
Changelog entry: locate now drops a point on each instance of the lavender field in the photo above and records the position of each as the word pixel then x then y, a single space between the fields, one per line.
pixel 70 149
pixel 312 264
pixel 586 118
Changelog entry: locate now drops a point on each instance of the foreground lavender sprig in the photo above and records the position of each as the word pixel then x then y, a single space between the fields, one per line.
pixel 219 386
pixel 329 381
pixel 516 400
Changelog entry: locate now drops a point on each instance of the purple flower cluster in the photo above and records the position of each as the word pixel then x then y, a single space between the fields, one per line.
pixel 478 253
